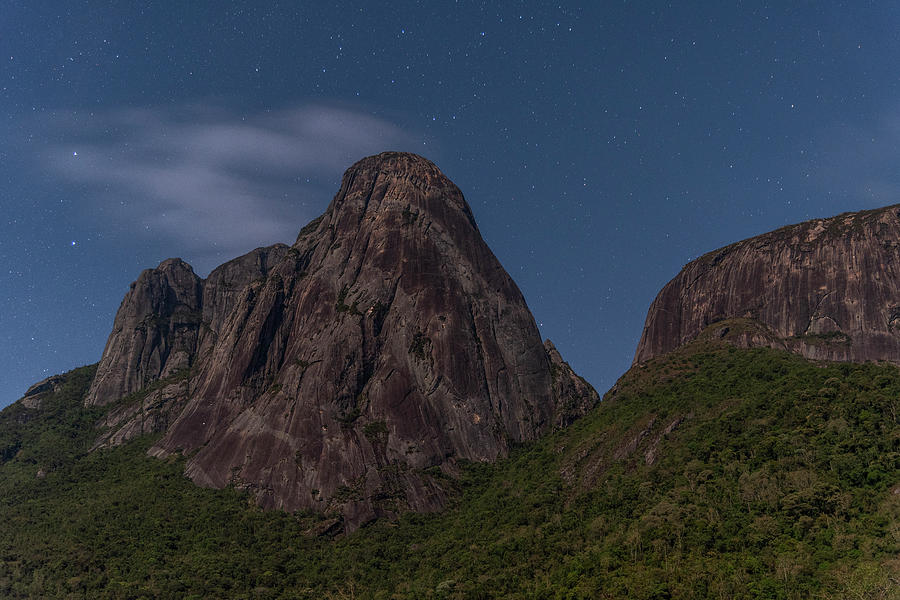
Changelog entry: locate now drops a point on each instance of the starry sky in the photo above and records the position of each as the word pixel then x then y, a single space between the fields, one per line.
pixel 601 145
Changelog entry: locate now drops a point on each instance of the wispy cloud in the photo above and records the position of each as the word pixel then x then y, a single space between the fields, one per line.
pixel 207 177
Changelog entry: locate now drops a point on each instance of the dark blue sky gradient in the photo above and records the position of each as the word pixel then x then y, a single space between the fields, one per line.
pixel 601 146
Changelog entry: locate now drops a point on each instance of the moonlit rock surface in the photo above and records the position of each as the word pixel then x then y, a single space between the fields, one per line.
pixel 335 374
pixel 154 334
pixel 827 289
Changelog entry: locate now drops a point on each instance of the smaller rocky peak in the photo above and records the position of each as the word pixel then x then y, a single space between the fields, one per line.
pixel 174 265
pixel 154 334
pixel 573 397
pixel 171 269
pixel 255 263
pixel 172 283
pixel 226 282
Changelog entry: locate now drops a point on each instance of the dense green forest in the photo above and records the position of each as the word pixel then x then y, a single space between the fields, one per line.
pixel 712 472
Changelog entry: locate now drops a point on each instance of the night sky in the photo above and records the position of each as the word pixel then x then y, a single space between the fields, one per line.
pixel 600 146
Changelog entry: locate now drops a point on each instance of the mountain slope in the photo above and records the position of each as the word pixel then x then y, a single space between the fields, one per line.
pixel 711 472
pixel 826 288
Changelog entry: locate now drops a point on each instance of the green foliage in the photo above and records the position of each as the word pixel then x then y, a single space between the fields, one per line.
pixel 409 217
pixel 376 432
pixel 341 307
pixel 711 472
pixel 420 346
pixel 347 418
pixel 829 338
pixel 54 434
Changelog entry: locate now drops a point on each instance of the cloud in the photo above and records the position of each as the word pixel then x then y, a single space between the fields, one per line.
pixel 206 177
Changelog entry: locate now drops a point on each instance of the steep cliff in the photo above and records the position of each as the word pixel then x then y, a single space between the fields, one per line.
pixel 347 373
pixel 826 289
pixel 155 332
pixel 572 395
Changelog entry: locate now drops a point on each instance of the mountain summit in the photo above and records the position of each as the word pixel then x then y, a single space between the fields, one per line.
pixel 826 289
pixel 347 373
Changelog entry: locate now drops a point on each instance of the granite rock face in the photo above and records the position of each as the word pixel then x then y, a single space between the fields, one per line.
pixel 572 395
pixel 349 372
pixel 226 283
pixel 827 289
pixel 155 332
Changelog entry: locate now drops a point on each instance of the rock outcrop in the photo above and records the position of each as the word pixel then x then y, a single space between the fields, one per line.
pixel 349 372
pixel 169 317
pixel 827 289
pixel 36 393
pixel 154 334
pixel 226 283
pixel 572 395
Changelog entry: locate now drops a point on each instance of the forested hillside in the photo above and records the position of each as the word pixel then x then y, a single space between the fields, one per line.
pixel 709 472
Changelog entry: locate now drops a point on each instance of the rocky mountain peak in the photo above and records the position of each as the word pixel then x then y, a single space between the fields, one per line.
pixel 174 265
pixel 394 193
pixel 412 170
pixel 341 373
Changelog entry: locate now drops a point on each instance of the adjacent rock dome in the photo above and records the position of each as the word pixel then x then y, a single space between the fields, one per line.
pixel 826 288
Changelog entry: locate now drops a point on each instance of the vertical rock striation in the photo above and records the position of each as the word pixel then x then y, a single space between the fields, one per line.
pixel 827 289
pixel 154 334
